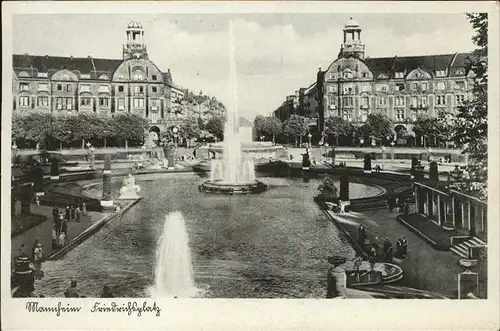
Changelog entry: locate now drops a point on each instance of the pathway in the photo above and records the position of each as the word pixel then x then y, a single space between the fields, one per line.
pixel 426 268
pixel 43 231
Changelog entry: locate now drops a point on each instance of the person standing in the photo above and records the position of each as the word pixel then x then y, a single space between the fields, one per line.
pixel 77 213
pixel 72 291
pixel 391 203
pixel 388 250
pixel 84 209
pixel 404 245
pixel 67 214
pixel 33 249
pixel 38 256
pixel 55 214
pixel 54 237
pixel 64 229
pixel 61 221
pixel 361 235
pixel 62 239
pixel 106 292
pixel 73 212
pixel 372 257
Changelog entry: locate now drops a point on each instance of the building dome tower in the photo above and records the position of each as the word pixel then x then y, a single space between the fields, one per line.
pixel 352 46
pixel 135 47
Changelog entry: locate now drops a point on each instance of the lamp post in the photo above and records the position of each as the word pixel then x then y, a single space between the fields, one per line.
pixel 104 133
pixel 321 148
pixel 383 156
pixel 175 130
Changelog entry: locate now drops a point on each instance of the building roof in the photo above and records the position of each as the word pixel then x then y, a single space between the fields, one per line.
pixel 55 63
pixel 429 63
pixel 134 25
pixel 351 24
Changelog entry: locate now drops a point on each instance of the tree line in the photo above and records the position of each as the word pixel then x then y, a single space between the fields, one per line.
pixel 338 131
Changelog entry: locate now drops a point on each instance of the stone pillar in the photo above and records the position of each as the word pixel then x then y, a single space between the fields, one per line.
pixel 367 168
pixel 453 210
pixel 54 168
pixel 468 216
pixel 344 191
pixel 37 179
pixel 438 211
pixel 106 200
pixel 417 202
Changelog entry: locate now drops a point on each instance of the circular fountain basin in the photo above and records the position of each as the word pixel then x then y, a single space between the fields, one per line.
pixel 220 187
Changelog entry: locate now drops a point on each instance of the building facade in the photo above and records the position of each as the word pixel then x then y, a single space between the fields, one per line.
pixel 107 87
pixel 354 86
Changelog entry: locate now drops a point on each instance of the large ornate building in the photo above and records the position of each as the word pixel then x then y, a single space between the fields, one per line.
pixel 69 85
pixel 403 88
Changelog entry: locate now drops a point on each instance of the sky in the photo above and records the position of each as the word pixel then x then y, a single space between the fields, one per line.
pixel 276 54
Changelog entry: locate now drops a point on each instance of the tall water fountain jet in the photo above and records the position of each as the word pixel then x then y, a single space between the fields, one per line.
pixel 174 270
pixel 236 173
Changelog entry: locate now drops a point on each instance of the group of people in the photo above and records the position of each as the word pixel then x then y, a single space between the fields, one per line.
pixel 386 252
pixel 73 292
pixel 61 220
pixel 394 201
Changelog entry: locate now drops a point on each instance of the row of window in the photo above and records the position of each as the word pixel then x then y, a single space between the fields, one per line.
pixel 424 86
pixel 85 88
pixel 399 115
pixel 137 75
pixel 416 101
pixel 67 103
pixel 349 74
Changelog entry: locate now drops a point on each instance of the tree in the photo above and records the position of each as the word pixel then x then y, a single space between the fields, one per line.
pixel 380 125
pixel 273 127
pixel 296 127
pixel 189 130
pixel 259 124
pixel 63 129
pixel 215 126
pixel 129 126
pixel 36 127
pixel 471 128
pixel 426 126
pixel 337 126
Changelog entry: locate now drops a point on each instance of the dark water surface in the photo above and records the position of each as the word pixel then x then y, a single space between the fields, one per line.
pixel 272 245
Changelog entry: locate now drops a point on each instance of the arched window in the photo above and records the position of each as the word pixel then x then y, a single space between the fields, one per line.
pixel 138 75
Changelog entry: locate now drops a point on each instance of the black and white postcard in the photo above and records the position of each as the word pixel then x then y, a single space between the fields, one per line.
pixel 250 165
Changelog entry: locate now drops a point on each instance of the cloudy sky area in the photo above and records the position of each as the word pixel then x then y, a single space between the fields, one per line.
pixel 275 53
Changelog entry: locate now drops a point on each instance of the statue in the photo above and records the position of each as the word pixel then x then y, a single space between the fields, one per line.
pixel 328 189
pixel 129 188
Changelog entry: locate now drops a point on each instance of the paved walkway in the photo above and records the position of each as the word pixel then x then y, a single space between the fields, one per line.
pixel 426 268
pixel 43 231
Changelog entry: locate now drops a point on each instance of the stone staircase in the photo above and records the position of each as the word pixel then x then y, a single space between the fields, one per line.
pixel 462 249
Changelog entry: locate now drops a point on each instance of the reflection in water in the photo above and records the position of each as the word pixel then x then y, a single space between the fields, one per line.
pixel 273 245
